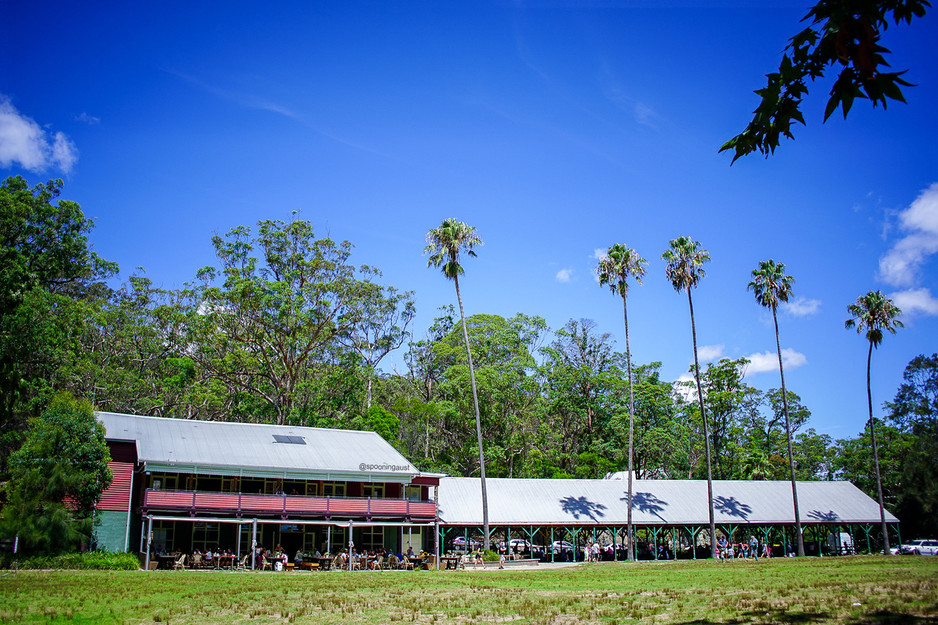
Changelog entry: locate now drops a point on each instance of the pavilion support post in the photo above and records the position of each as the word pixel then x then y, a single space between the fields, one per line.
pixel 149 540
pixel 551 547
pixel 866 530
pixel 351 545
pixel 143 533
pixel 436 541
pixel 253 544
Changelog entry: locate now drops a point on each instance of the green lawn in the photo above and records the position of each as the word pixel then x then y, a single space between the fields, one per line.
pixel 815 590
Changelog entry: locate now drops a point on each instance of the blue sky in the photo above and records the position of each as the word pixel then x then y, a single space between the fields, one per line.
pixel 556 128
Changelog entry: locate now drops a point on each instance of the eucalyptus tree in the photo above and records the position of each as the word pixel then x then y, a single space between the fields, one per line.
pixel 444 245
pixel 874 312
pixel 771 285
pixel 615 268
pixel 381 328
pixel 274 306
pixel 685 260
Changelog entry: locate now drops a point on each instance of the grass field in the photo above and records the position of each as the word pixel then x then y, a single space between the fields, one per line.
pixel 815 590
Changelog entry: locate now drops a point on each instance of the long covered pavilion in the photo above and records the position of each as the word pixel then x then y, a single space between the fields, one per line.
pixel 670 517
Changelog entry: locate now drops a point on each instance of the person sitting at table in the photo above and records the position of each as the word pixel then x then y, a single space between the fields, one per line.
pixel 298 558
pixel 410 552
pixel 207 558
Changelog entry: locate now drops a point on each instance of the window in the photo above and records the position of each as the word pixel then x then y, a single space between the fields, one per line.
pixel 373 490
pixel 333 489
pixel 205 536
pixel 413 493
pixel 163 481
pixel 289 440
pixel 372 537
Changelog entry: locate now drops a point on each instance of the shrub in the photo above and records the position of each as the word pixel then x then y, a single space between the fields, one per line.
pixel 91 560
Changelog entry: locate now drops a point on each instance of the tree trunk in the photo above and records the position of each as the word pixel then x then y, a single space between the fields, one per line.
pixel 475 401
pixel 879 482
pixel 791 458
pixel 703 415
pixel 628 355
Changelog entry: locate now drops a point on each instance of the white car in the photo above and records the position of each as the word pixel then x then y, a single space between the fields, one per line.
pixel 561 545
pixel 924 547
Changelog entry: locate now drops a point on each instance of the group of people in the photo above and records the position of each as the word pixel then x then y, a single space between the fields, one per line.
pixel 744 550
pixel 375 559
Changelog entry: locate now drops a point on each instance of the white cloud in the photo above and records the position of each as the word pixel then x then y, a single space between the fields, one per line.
pixel 902 264
pixel 91 120
pixel 645 115
pixel 706 353
pixel 23 141
pixel 801 306
pixel 915 301
pixel 768 361
pixel 564 275
pixel 599 253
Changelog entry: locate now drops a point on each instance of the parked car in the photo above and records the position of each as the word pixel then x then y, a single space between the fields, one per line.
pixel 561 545
pixel 519 544
pixel 922 546
pixel 460 543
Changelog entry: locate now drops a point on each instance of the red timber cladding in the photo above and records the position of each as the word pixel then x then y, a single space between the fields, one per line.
pixel 123 460
pixel 349 506
pixel 168 499
pixel 307 505
pixel 261 502
pixel 216 501
pixel 427 510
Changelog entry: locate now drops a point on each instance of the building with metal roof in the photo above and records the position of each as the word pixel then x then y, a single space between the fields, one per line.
pixel 197 484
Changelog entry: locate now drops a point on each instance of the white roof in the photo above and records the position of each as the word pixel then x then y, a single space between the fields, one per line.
pixel 655 502
pixel 250 449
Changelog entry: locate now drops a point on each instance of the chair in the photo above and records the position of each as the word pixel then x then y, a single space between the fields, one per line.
pixel 242 564
pixel 394 562
pixel 196 561
pixel 265 564
pixel 406 564
pixel 180 564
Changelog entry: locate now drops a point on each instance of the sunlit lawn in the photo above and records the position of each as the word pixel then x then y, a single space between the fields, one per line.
pixel 821 590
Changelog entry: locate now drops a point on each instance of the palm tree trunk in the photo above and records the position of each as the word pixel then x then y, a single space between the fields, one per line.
pixel 628 355
pixel 475 401
pixel 879 482
pixel 791 458
pixel 703 415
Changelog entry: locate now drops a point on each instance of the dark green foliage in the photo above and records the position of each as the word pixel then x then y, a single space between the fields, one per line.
pixel 87 561
pixel 48 273
pixel 56 478
pixel 844 34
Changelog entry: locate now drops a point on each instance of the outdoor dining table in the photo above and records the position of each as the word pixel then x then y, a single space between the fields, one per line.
pixel 450 562
pixel 224 562
pixel 166 562
pixel 324 563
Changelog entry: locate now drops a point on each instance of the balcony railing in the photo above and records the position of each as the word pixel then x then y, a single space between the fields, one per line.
pixel 287 506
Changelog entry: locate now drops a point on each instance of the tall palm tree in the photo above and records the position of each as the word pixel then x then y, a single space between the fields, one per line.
pixel 874 312
pixel 444 245
pixel 614 269
pixel 771 285
pixel 684 269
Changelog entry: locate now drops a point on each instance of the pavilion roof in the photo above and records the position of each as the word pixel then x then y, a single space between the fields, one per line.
pixel 258 450
pixel 655 502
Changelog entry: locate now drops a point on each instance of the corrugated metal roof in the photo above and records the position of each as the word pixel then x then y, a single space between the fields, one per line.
pixel 224 448
pixel 655 502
